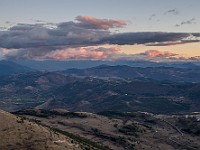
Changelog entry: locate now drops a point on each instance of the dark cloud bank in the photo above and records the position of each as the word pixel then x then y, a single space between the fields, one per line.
pixel 37 40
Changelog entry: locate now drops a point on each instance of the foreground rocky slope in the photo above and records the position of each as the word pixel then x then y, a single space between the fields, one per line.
pixel 17 133
pixel 124 130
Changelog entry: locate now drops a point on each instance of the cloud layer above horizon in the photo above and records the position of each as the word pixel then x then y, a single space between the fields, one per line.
pixel 83 38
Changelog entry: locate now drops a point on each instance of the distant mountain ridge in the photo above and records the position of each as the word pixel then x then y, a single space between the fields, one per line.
pixel 9 67
pixel 161 73
pixel 58 65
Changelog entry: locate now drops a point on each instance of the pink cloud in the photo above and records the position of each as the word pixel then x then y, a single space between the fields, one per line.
pixel 92 52
pixel 156 53
pixel 95 23
pixel 4 52
pixel 195 58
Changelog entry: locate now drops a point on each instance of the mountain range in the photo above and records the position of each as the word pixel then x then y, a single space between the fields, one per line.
pixel 56 65
pixel 58 90
pixel 158 89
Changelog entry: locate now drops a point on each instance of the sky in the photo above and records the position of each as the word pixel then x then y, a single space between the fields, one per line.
pixel 155 30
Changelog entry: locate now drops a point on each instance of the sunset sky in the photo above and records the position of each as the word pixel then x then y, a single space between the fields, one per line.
pixel 156 30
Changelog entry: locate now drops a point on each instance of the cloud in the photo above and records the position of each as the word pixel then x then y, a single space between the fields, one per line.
pixel 95 23
pixel 87 22
pixel 152 16
pixel 66 33
pixel 158 56
pixel 93 52
pixel 156 53
pixel 76 34
pixel 39 21
pixel 3 52
pixel 39 41
pixel 172 43
pixel 172 11
pixel 187 22
pixel 34 36
pixel 195 58
pixel 3 28
pixel 150 55
pixel 185 59
pixel 143 38
pixel 196 34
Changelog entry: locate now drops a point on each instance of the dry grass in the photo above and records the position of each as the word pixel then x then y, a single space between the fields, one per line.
pixel 19 134
pixel 142 132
